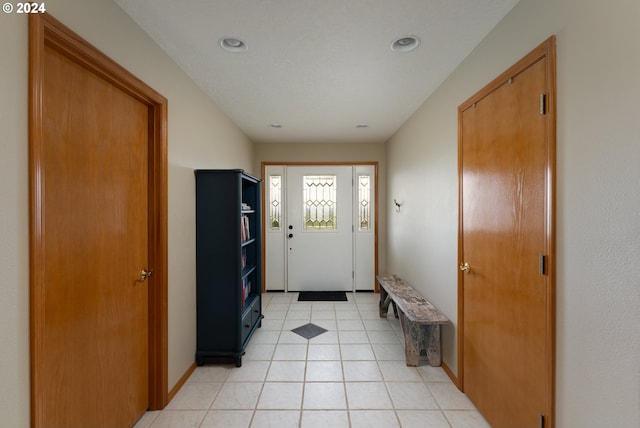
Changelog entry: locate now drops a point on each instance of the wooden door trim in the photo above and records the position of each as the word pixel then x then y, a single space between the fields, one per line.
pixel 263 166
pixel 44 30
pixel 545 50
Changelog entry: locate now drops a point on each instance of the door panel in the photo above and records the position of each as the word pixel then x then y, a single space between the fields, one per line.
pixel 95 241
pixel 319 228
pixel 504 167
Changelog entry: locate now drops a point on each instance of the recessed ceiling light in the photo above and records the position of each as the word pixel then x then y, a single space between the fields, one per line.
pixel 232 44
pixel 275 125
pixel 362 126
pixel 405 44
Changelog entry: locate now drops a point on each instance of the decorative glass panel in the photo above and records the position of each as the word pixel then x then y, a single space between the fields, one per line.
pixel 275 201
pixel 364 202
pixel 319 202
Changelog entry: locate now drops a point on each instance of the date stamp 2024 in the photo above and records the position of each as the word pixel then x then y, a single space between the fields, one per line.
pixel 21 8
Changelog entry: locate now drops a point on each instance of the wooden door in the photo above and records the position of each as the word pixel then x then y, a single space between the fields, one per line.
pixel 505 248
pixel 95 216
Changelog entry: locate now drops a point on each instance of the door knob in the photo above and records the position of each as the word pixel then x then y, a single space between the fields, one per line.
pixel 465 267
pixel 144 275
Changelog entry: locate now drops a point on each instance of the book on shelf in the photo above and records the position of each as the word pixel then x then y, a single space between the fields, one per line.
pixel 246 233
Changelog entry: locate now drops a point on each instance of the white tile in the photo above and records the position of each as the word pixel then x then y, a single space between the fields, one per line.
pixel 322 306
pixel 395 371
pixel 290 352
pixel 411 395
pixel 324 371
pixel 373 419
pixel 376 325
pixel 276 307
pixel 325 419
pixel 322 315
pixel 326 324
pixel 328 337
pixel 347 314
pixel 383 337
pixel 291 323
pixel 259 352
pixel 286 371
pixel 449 397
pixel 147 419
pixel 371 314
pixel 238 395
pixel 324 396
pixel 265 336
pixel 350 324
pixel 357 352
pixel 422 419
pixel 359 371
pixel 195 395
pixel 279 419
pixel 251 371
pixel 353 337
pixel 210 374
pixel 273 315
pixel 323 352
pixel 433 374
pixel 179 418
pixel 389 352
pixel 291 337
pixel 466 419
pixel 272 324
pixel 298 314
pixel 281 396
pixel 227 418
pixel 368 395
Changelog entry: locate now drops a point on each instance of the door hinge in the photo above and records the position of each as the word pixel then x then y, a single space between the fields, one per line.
pixel 543 104
pixel 543 264
pixel 541 421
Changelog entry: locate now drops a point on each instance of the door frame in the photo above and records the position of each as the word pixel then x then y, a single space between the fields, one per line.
pixel 544 50
pixel 263 166
pixel 44 30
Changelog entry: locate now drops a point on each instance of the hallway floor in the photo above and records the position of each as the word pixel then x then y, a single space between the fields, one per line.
pixel 354 375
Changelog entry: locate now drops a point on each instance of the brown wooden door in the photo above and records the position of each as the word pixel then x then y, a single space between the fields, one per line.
pixel 504 232
pixel 94 349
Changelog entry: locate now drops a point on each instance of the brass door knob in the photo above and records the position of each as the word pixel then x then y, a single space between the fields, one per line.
pixel 465 267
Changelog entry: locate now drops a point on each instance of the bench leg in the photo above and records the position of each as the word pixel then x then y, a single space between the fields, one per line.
pixel 421 340
pixel 433 344
pixel 412 336
pixel 384 302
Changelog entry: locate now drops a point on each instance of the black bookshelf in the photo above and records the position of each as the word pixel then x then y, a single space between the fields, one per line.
pixel 228 264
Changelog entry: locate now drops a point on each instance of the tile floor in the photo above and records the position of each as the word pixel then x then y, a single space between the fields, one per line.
pixel 354 375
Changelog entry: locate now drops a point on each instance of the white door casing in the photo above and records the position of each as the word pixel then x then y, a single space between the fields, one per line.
pixel 320 257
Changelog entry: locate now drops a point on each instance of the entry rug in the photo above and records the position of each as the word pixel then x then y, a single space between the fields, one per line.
pixel 322 296
pixel 309 331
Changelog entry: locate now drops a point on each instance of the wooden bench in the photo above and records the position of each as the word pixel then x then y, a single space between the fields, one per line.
pixel 419 319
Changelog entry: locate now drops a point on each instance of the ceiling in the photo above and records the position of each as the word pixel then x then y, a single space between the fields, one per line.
pixel 323 70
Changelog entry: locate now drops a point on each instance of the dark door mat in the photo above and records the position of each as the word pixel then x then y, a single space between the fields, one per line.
pixel 309 331
pixel 322 296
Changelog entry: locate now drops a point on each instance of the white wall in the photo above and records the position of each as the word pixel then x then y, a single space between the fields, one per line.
pixel 200 136
pixel 598 202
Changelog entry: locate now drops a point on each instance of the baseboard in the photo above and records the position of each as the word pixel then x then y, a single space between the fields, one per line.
pixel 181 381
pixel 453 377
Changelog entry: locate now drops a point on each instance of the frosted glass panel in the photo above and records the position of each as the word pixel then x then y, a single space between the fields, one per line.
pixel 319 201
pixel 275 202
pixel 364 202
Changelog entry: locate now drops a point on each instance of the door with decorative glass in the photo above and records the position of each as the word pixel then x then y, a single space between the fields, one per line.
pixel 319 231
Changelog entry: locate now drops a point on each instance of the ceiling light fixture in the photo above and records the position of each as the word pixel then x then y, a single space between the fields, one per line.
pixel 405 44
pixel 232 44
pixel 275 125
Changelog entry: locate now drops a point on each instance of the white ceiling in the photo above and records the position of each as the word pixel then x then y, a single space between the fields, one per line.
pixel 317 67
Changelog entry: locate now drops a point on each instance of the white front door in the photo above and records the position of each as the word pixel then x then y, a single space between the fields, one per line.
pixel 319 228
